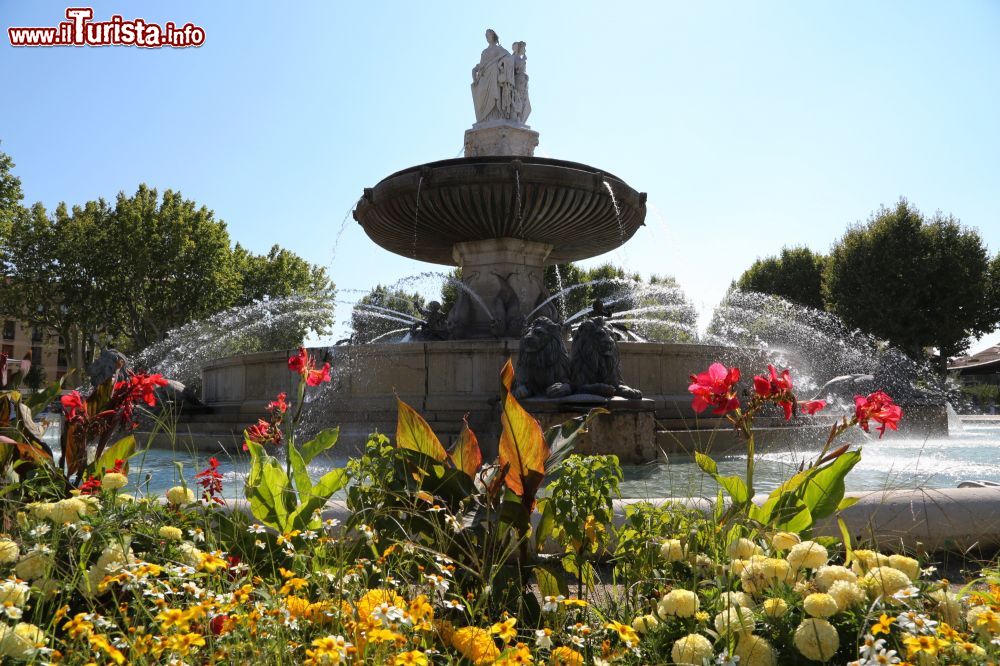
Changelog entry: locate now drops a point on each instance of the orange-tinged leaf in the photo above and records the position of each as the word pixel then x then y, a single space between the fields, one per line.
pixel 414 433
pixel 74 448
pixel 507 376
pixel 26 451
pixel 523 449
pixel 466 454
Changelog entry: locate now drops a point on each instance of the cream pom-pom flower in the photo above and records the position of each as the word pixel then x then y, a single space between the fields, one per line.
pixel 672 550
pixel 679 603
pixel 755 651
pixel 885 581
pixel 170 533
pixel 644 623
pixel 828 575
pixel 785 540
pixel 734 620
pixel 692 650
pixel 847 594
pixel 775 607
pixel 9 551
pixel 816 639
pixel 179 495
pixel 742 549
pixel 114 481
pixel 907 565
pixel 807 555
pixel 820 604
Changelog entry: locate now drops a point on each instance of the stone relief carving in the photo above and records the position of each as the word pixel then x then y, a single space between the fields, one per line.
pixel 500 83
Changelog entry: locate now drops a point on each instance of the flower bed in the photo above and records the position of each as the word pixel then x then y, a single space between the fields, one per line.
pixel 438 562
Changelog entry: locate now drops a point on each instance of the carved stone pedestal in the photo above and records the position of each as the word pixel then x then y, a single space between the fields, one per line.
pixel 503 281
pixel 486 139
pixel 628 430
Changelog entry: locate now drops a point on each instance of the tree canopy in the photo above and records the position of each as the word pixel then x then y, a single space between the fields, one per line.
pixel 795 275
pixel 913 281
pixel 369 323
pixel 126 274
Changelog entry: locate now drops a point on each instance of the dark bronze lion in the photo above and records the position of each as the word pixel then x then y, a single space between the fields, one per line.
pixel 542 364
pixel 594 365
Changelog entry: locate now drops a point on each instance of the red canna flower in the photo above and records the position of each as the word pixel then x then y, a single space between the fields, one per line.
pixel 878 407
pixel 317 377
pixel 810 407
pixel 211 482
pixel 279 404
pixel 263 432
pixel 305 366
pixel 71 402
pixel 776 387
pixel 715 388
pixel 300 362
pixel 218 623
pixel 91 486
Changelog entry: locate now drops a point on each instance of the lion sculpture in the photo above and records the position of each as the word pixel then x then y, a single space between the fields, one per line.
pixel 542 364
pixel 594 366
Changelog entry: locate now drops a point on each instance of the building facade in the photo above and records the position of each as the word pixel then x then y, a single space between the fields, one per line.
pixel 44 347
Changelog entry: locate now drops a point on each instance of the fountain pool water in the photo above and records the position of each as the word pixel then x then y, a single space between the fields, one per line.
pixel 888 464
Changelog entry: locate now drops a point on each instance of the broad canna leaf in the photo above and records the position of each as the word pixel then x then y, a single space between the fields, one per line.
pixel 26 450
pixel 466 455
pixel 825 488
pixel 523 450
pixel 324 440
pixel 413 432
pixel 74 448
pixel 39 401
pixel 317 497
pixel 123 449
pixel 507 376
pixel 267 488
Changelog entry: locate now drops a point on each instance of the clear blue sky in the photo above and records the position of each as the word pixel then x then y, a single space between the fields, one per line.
pixel 750 125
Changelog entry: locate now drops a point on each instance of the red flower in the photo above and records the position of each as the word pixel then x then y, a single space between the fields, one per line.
pixel 262 432
pixel 300 362
pixel 715 387
pixel 71 402
pixel 91 486
pixel 776 387
pixel 218 623
pixel 279 404
pixel 211 482
pixel 305 366
pixel 810 407
pixel 317 377
pixel 878 407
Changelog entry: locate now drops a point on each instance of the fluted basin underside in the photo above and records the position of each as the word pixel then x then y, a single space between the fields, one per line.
pixel 563 204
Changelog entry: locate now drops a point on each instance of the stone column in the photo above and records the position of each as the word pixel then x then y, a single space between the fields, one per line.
pixel 504 280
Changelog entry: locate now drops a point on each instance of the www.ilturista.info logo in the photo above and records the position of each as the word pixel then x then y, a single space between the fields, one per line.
pixel 81 30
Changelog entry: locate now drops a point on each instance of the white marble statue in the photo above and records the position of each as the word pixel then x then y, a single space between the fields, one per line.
pixel 522 106
pixel 493 82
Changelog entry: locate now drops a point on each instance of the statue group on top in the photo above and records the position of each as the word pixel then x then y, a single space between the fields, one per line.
pixel 500 83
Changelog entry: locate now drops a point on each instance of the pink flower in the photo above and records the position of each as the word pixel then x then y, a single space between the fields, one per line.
pixel 305 366
pixel 71 402
pixel 878 407
pixel 300 362
pixel 279 404
pixel 317 377
pixel 776 387
pixel 715 388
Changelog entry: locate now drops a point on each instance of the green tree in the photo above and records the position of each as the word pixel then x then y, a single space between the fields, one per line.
pixel 369 323
pixel 917 283
pixel 795 275
pixel 11 197
pixel 277 274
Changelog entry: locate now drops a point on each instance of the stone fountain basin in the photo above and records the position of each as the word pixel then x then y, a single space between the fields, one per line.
pixel 563 204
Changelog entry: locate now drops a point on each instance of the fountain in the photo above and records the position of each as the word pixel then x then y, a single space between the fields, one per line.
pixel 501 215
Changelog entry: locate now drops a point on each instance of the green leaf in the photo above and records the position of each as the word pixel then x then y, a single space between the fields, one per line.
pixel 266 489
pixel 123 449
pixel 546 524
pixel 824 489
pixel 847 502
pixel 300 475
pixel 551 581
pixel 324 440
pixel 413 432
pixel 317 498
pixel 39 401
pixel 561 438
pixel 799 519
pixel 706 464
pixel 733 485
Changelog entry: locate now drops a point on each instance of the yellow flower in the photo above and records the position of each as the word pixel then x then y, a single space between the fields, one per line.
pixel 755 651
pixel 573 601
pixel 678 602
pixel 78 626
pixel 985 619
pixel 114 481
pixel 564 656
pixel 183 644
pixel 830 574
pixel 170 533
pixel 807 555
pixel 915 645
pixel 820 604
pixel 293 584
pixel 734 620
pixel 329 650
pixel 476 645
pixel 179 495
pixel 212 562
pixel 9 552
pixel 372 599
pixel 970 650
pixel 672 550
pixel 949 633
pixel 505 629
pixel 949 605
pixel 847 594
pixel 100 642
pixel 172 617
pixel 518 654
pixel 34 564
pixel 742 549
pixel 817 639
pixel 907 565
pixel 411 658
pixel 775 607
pixel 693 649
pixel 380 635
pixel 883 625
pixel 784 540
pixel 884 581
pixel 22 641
pixel 644 623
pixel 625 633
pixel 863 560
